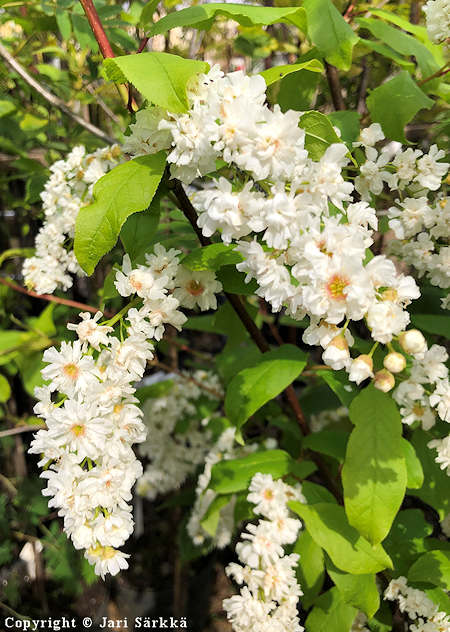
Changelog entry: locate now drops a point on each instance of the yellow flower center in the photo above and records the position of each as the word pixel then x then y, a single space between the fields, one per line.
pixel 78 430
pixel 336 286
pixel 71 370
pixel 195 288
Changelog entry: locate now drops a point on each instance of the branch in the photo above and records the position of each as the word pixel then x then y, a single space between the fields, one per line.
pixel 97 28
pixel 335 86
pixel 443 71
pixel 20 429
pixel 51 298
pixel 50 97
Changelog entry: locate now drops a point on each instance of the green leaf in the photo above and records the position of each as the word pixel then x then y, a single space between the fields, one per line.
pixel 235 475
pixel 319 133
pixel 395 103
pixel 340 384
pixel 158 389
pixel 251 388
pixel 5 389
pixel 315 493
pixel 233 281
pixel 126 189
pixel 210 520
pixel 402 43
pixel 434 490
pixel 374 472
pixel 406 539
pixel 329 31
pixel 202 16
pixel 160 77
pixel 138 230
pixel 348 124
pixel 330 442
pixel 311 568
pixel 388 52
pixel 211 257
pixel 6 107
pixel 276 73
pixel 433 324
pixel 433 568
pixel 414 471
pixel 348 550
pixel 148 12
pixel 331 613
pixel 359 591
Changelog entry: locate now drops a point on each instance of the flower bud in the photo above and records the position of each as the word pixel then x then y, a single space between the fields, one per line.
pixel 394 362
pixel 337 355
pixel 384 380
pixel 412 341
pixel 361 369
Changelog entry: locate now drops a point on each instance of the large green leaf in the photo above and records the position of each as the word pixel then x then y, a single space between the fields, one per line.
pixel 330 442
pixel 331 614
pixel 160 77
pixel 388 52
pixel 138 230
pixel 311 568
pixel 125 190
pixel 414 471
pixel 402 43
pixel 276 73
pixel 235 475
pixel 348 550
pixel 251 388
pixel 329 31
pixel 406 539
pixel 433 568
pixel 434 490
pixel 211 257
pixel 433 324
pixel 319 133
pixel 202 16
pixel 357 590
pixel 374 472
pixel 395 103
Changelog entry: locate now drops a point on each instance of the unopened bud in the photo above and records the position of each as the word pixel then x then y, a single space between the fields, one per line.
pixel 394 362
pixel 384 380
pixel 336 355
pixel 412 341
pixel 361 369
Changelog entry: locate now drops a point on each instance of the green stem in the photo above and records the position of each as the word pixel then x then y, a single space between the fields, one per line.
pixel 112 321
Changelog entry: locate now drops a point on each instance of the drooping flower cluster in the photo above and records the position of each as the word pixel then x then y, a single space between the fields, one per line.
pixel 87 454
pixel 91 414
pixel 310 252
pixel 178 438
pixel 424 614
pixel 437 14
pixel 66 191
pixel 269 595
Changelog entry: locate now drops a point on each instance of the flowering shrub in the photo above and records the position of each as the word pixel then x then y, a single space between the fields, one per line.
pixel 226 196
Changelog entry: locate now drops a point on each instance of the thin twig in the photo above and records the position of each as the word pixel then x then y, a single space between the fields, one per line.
pixel 20 429
pixel 52 299
pixel 50 97
pixel 8 486
pixel 361 105
pixel 335 86
pixel 439 73
pixel 101 103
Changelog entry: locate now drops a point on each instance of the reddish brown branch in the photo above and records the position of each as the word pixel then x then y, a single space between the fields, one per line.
pixel 335 86
pixel 439 73
pixel 97 28
pixel 51 298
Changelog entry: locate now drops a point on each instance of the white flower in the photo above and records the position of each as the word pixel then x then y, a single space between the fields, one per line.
pixel 69 369
pixel 361 368
pixel 437 14
pixel 441 399
pixel 90 331
pixel 140 281
pixel 146 137
pixel 196 288
pixel 413 341
pixel 106 559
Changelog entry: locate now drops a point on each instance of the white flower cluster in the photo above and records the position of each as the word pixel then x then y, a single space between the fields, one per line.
pixel 86 449
pixel 224 449
pixel 437 14
pixel 422 234
pixel 419 608
pixel 66 191
pixel 178 439
pixel 165 284
pixel 311 253
pixel 269 595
